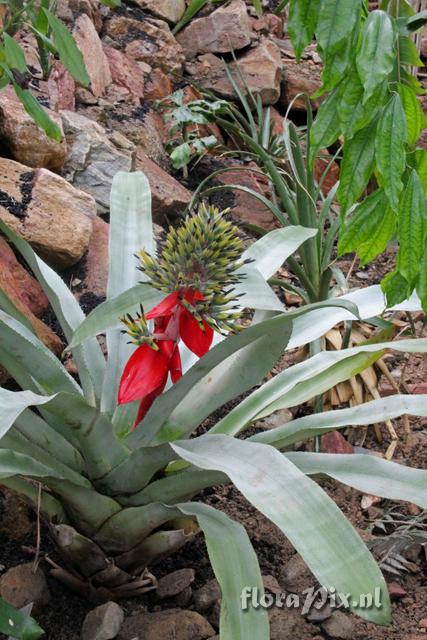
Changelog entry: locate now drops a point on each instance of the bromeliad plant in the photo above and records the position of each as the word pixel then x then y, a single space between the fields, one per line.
pixel 118 500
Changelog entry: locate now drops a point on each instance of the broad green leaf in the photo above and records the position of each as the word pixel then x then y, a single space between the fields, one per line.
pixel 335 67
pixel 16 624
pixel 107 315
pixel 13 403
pixel 368 413
pixel 380 238
pixel 420 157
pixel 336 22
pixel 302 19
pixel 390 152
pixel 396 288
pixel 416 22
pixel 413 113
pixel 38 113
pixel 88 358
pixel 17 464
pixel 131 229
pixel 306 380
pixel 181 156
pixel 23 351
pixel 255 292
pixel 369 302
pixel 376 55
pixel 326 127
pixel 272 250
pixel 236 566
pixel 422 279
pixel 411 228
pixel 15 56
pixel 309 518
pixel 357 166
pixel 353 113
pixel 368 474
pixel 365 224
pixel 258 7
pixel 69 54
pixel 408 52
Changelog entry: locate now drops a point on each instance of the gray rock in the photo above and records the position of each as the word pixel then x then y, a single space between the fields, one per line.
pixel 93 159
pixel 224 30
pixel 174 583
pixel 22 585
pixel 103 623
pixel 205 597
pixel 339 626
pixel 171 624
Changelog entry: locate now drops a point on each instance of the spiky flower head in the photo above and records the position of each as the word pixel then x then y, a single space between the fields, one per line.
pixel 203 254
pixel 137 329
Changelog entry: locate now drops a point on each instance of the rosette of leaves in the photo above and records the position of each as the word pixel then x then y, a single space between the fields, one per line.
pixel 119 501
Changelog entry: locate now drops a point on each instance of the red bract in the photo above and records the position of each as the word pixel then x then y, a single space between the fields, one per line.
pixel 145 375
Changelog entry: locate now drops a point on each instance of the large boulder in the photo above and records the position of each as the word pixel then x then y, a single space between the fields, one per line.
pixel 53 216
pixel 150 41
pixel 261 69
pixel 26 141
pixel 96 62
pixel 93 160
pixel 224 30
pixel 170 624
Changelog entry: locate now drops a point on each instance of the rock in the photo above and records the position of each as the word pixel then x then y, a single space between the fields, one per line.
pixel 319 615
pixel 339 626
pixel 261 69
pixel 61 88
pixel 146 130
pixel 184 598
pixel 68 9
pixel 171 624
pixel 21 585
pixel 205 597
pixel 295 575
pixel 334 442
pixel 27 142
pixel 246 207
pixel 288 623
pixel 103 623
pixel 158 86
pixel 174 583
pixel 170 10
pixel 149 41
pixel 271 584
pixel 169 197
pixel 93 160
pixel 277 419
pixel 423 623
pixel 269 23
pixel 27 295
pixel 302 77
pixel 125 73
pixel 224 30
pixel 396 591
pixel 53 216
pixel 215 615
pixel 96 62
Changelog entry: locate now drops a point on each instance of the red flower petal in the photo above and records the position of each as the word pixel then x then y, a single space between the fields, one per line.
pixel 146 403
pixel 175 366
pixel 143 373
pixel 165 308
pixel 195 338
